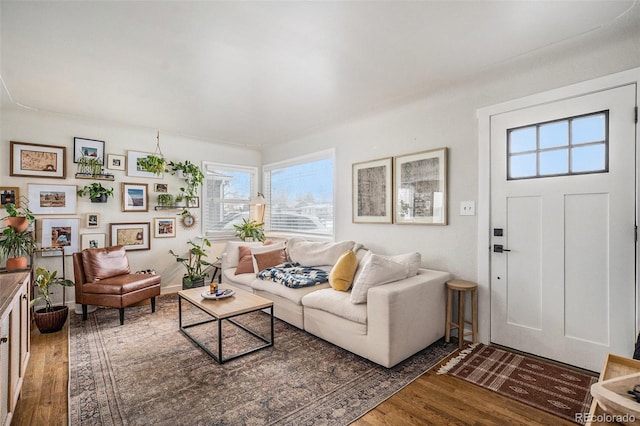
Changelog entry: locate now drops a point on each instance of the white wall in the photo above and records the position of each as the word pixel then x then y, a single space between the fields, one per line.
pixel 56 129
pixel 448 119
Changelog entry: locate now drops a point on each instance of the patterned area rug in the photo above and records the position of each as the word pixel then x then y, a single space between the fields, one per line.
pixel 148 372
pixel 559 390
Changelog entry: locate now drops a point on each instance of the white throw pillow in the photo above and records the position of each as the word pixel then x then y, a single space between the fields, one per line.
pixel 233 251
pixel 378 270
pixel 314 253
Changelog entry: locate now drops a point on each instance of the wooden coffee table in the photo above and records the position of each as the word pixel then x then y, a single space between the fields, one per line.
pixel 242 302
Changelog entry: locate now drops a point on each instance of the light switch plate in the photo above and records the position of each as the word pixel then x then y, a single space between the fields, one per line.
pixel 467 208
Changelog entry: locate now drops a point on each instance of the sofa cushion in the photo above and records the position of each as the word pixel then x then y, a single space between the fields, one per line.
pixel 268 247
pixel 379 270
pixel 229 276
pixel 314 253
pixel 337 303
pixel 270 258
pixel 295 295
pixel 342 273
pixel 105 262
pixel 245 261
pixel 233 252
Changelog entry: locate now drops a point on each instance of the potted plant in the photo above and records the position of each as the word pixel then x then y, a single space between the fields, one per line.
pixel 16 246
pixel 250 229
pixel 153 163
pixel 90 166
pixel 194 264
pixel 165 199
pixel 192 175
pixel 97 193
pixel 180 200
pixel 19 219
pixel 50 318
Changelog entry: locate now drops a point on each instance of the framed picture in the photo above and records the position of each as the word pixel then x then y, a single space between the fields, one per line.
pixel 115 162
pixel 88 148
pixel 420 188
pixel 92 220
pixel 133 236
pixel 9 194
pixel 92 241
pixel 160 187
pixel 60 233
pixel 135 197
pixel 134 169
pixel 372 191
pixel 164 227
pixel 52 199
pixel 194 203
pixel 35 160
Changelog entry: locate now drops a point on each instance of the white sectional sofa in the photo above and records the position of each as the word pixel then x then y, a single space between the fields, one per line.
pixel 398 319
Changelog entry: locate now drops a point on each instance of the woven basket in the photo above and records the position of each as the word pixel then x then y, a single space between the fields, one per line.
pixel 50 322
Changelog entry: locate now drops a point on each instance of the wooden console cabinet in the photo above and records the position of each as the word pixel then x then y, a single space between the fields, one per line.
pixel 15 339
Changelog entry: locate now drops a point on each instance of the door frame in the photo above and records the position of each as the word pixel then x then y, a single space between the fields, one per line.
pixel 484 115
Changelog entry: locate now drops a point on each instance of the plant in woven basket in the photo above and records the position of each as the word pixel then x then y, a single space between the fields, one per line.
pixel 50 318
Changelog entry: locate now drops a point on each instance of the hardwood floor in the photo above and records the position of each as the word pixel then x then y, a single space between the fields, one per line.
pixel 432 399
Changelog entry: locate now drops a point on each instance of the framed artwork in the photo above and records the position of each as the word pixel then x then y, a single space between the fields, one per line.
pixel 135 197
pixel 134 169
pixel 35 160
pixel 92 220
pixel 160 187
pixel 60 233
pixel 372 191
pixel 92 241
pixel 420 188
pixel 164 227
pixel 133 236
pixel 88 148
pixel 194 203
pixel 115 162
pixel 9 194
pixel 52 199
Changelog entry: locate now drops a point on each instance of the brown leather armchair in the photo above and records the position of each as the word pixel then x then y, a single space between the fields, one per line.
pixel 103 278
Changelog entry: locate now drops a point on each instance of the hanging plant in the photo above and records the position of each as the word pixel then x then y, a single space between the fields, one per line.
pixel 152 163
pixel 97 193
pixel 192 176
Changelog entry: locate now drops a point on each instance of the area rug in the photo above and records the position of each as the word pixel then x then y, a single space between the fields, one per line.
pixel 147 372
pixel 554 388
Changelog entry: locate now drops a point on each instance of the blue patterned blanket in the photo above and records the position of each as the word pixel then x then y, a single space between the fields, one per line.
pixel 293 275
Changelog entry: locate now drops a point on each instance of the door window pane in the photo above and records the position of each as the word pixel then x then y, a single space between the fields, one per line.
pixel 523 165
pixel 554 162
pixel 591 128
pixel 588 158
pixel 554 134
pixel 521 140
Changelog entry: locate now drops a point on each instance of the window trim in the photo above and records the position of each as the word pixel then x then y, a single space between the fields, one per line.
pixel 267 168
pixel 254 172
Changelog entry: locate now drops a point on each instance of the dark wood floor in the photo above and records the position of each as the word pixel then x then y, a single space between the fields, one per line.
pixel 432 399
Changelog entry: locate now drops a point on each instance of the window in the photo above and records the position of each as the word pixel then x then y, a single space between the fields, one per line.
pixel 227 192
pixel 299 195
pixel 570 146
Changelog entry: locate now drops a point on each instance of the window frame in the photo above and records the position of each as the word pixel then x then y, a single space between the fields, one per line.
pixel 307 158
pixel 570 146
pixel 254 185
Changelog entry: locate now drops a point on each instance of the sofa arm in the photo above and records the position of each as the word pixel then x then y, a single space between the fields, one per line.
pixel 406 316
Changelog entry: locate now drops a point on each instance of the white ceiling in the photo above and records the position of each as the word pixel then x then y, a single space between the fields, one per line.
pixel 255 73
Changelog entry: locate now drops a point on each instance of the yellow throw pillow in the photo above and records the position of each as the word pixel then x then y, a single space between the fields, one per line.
pixel 341 275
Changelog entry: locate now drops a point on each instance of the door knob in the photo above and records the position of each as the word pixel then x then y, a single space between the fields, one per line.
pixel 498 248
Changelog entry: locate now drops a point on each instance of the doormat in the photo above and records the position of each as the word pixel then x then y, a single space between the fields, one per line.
pixel 559 390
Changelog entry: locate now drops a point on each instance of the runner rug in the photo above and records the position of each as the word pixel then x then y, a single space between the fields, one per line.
pixel 147 372
pixel 556 389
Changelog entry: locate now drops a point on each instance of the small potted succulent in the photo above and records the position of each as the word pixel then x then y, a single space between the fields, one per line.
pixel 97 193
pixel 195 264
pixel 50 318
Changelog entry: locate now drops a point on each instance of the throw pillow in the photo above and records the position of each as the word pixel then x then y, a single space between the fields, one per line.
pixel 245 264
pixel 268 246
pixel 341 275
pixel 270 258
pixel 377 271
pixel 233 253
pixel 313 253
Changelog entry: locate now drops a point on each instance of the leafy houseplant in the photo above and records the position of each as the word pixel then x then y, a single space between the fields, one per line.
pixel 50 318
pixel 194 264
pixel 97 193
pixel 91 166
pixel 19 219
pixel 16 246
pixel 250 229
pixel 192 175
pixel 165 199
pixel 153 163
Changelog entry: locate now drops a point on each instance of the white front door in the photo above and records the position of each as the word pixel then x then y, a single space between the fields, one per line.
pixel 563 211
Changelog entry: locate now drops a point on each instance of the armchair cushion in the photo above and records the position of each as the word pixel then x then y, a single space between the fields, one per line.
pixel 122 284
pixel 103 263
